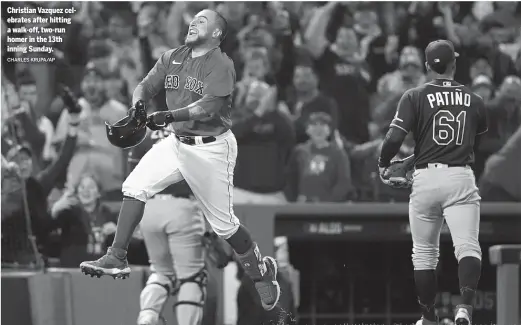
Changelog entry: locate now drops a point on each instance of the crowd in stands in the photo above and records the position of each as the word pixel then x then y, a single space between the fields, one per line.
pixel 317 86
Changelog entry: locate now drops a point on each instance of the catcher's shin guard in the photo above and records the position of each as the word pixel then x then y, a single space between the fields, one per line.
pixel 190 298
pixel 153 298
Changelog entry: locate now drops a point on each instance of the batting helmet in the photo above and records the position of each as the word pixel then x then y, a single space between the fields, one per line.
pixel 126 133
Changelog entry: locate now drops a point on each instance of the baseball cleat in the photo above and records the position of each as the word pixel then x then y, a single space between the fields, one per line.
pixel 268 287
pixel 109 265
pixel 462 316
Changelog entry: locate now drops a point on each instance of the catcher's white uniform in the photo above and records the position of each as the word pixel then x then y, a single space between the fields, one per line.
pixel 172 227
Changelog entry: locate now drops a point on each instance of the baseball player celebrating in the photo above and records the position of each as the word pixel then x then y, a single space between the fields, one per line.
pixel 446 119
pixel 199 80
pixel 173 228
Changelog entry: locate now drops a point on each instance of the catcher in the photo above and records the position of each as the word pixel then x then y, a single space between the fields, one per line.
pixel 173 228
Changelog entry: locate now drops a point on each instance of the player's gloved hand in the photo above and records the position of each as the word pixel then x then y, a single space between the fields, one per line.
pixel 159 120
pixel 392 181
pixel 138 111
pixel 394 175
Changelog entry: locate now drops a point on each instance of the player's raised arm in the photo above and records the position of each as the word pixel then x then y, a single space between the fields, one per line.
pixel 217 89
pixel 400 126
pixel 154 80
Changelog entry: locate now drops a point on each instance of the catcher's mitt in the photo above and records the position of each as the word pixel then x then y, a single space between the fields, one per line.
pixel 398 174
pixel 218 250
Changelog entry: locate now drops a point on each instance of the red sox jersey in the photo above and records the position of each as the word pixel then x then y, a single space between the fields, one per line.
pixel 186 80
pixel 445 118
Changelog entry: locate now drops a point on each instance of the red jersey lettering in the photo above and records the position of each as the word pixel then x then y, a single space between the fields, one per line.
pixel 186 80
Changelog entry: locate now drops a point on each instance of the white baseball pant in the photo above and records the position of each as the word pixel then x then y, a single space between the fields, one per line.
pixel 448 193
pixel 207 168
pixel 172 229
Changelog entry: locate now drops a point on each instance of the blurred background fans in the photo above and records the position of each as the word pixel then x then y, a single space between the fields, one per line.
pixel 309 75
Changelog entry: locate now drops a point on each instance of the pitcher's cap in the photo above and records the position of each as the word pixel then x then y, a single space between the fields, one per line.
pixel 439 54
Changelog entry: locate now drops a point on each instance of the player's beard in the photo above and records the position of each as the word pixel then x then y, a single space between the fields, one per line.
pixel 194 42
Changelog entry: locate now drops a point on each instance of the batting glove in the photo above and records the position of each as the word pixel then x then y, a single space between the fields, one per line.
pixel 138 111
pixel 159 120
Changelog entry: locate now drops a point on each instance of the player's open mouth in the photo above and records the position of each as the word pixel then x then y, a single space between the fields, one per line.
pixel 192 31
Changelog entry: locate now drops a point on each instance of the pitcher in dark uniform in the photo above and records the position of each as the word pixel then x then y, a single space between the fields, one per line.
pixel 446 119
pixel 199 80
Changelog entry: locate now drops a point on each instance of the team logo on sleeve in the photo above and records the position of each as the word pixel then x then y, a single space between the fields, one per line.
pixel 172 81
pixel 194 85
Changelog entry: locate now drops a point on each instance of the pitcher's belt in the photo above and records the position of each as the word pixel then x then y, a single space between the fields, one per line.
pixel 438 165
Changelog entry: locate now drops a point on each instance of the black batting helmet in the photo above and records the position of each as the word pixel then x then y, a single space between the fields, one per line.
pixel 126 133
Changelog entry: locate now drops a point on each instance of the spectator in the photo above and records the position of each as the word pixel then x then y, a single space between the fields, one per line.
pixel 124 56
pixel 28 95
pixel 501 181
pixel 116 88
pixel 318 170
pixel 408 75
pixel 238 24
pixel 482 86
pixel 512 46
pixel 265 136
pixel 83 223
pixel 507 15
pixel 12 193
pixel 46 76
pixel 15 236
pixel 378 49
pixel 481 67
pixel 501 63
pixel 419 26
pixel 151 23
pixel 309 99
pixel 20 127
pixel 504 119
pixel 344 74
pixel 257 68
pixel 505 112
pixel 95 155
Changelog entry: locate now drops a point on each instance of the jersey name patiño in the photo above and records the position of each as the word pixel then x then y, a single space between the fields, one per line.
pixel 444 117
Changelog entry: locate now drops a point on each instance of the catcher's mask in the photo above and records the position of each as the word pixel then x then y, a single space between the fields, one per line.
pixel 126 133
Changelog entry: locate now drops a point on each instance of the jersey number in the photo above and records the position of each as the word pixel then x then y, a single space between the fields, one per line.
pixel 446 127
pixel 159 134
